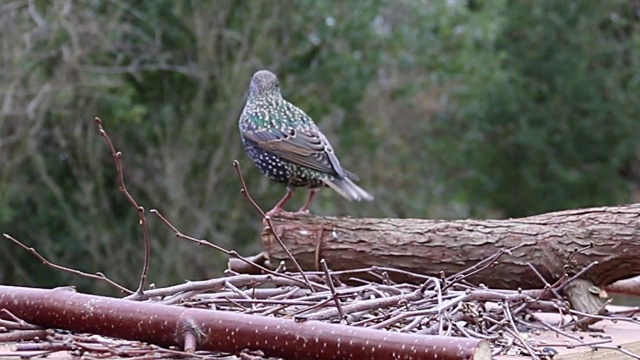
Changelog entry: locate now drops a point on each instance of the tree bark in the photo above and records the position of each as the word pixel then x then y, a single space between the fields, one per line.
pixel 428 247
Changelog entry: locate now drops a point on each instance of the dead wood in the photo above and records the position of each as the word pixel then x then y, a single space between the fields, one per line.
pixel 224 331
pixel 608 235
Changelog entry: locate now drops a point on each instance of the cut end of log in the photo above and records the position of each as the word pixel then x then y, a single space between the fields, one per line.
pixel 483 352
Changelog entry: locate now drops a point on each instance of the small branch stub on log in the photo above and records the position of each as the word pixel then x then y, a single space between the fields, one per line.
pixel 431 246
pixel 224 331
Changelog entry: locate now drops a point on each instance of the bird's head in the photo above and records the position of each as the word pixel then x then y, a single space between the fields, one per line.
pixel 264 83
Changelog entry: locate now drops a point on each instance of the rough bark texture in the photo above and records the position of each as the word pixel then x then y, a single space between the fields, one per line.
pixel 431 246
pixel 226 331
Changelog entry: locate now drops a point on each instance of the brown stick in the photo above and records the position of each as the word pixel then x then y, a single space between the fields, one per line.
pixel 97 276
pixel 245 192
pixel 626 286
pixel 548 242
pixel 223 331
pixel 117 156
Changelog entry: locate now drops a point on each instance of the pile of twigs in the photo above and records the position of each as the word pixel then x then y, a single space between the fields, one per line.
pixel 507 319
pixel 440 306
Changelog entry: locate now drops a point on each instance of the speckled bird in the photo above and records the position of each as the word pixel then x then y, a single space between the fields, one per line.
pixel 287 146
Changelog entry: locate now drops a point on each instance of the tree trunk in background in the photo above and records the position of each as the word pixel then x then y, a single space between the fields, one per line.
pixel 431 246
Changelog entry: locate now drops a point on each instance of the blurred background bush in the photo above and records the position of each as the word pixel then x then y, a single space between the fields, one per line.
pixel 446 109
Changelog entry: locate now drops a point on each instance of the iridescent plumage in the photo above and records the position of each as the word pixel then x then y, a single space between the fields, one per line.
pixel 287 146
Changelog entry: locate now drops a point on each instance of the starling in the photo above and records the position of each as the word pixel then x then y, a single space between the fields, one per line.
pixel 287 146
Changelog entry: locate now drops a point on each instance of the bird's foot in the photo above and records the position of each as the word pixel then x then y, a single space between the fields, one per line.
pixel 302 212
pixel 278 211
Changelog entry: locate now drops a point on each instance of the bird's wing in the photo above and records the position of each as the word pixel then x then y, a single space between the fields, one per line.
pixel 304 147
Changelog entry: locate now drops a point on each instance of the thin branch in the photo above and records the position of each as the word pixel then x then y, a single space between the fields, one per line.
pixel 329 280
pixel 245 192
pixel 97 276
pixel 234 254
pixel 480 266
pixel 117 155
pixel 547 286
pixel 576 276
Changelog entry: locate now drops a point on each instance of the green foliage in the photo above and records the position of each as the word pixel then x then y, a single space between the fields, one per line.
pixel 555 117
pixel 443 108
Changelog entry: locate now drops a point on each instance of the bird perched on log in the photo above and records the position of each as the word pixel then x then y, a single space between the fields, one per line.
pixel 287 146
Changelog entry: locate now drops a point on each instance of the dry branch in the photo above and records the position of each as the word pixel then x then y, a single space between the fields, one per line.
pixel 548 242
pixel 230 332
pixel 626 286
pixel 97 276
pixel 245 193
pixel 117 156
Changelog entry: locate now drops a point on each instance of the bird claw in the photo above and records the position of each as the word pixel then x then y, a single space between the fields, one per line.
pixel 302 212
pixel 278 211
pixel 284 213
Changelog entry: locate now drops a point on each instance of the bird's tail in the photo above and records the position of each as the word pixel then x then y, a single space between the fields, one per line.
pixel 348 189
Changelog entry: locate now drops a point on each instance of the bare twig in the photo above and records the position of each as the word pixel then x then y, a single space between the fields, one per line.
pixel 233 253
pixel 117 155
pixel 23 335
pixel 97 276
pixel 547 286
pixel 245 192
pixel 329 280
pixel 576 276
pixel 480 266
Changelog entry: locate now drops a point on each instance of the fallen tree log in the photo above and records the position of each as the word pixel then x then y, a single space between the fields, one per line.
pixel 224 331
pixel 608 235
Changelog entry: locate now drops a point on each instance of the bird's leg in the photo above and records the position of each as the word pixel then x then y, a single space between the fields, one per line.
pixel 279 208
pixel 305 208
